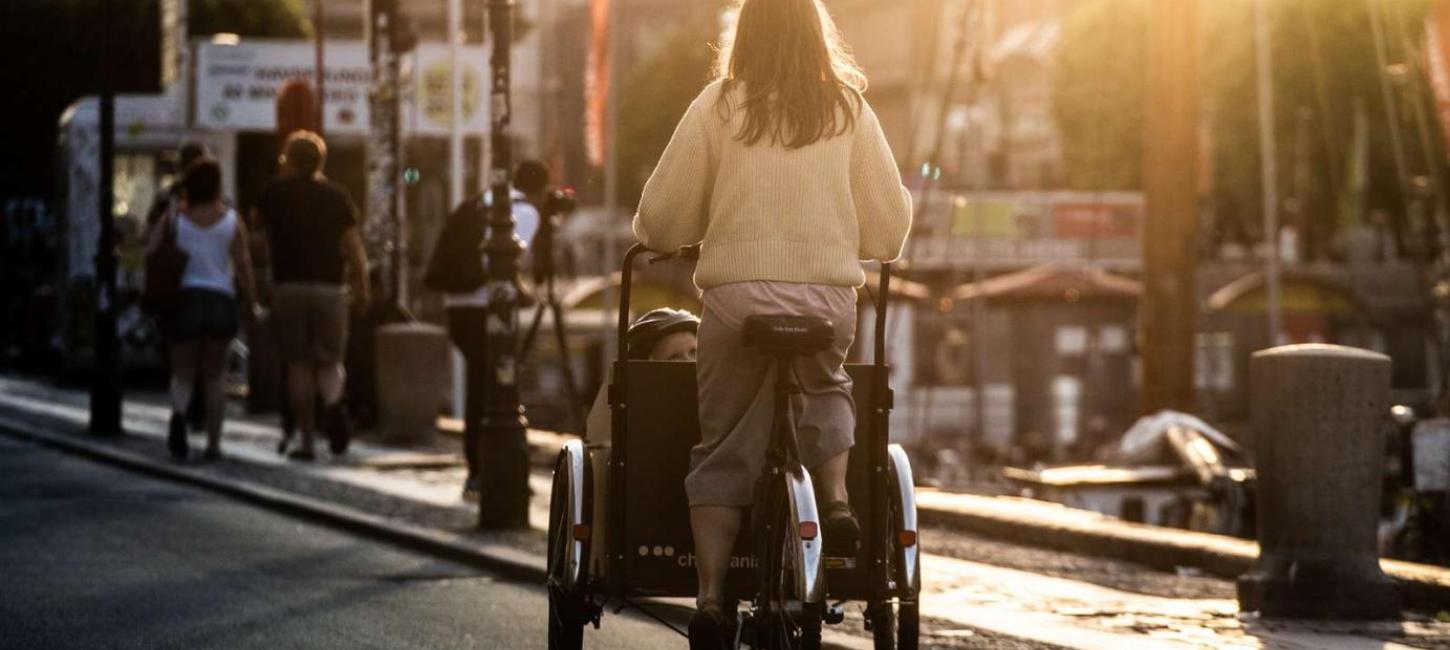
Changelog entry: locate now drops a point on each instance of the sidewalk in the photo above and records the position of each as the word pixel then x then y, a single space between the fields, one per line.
pixel 980 593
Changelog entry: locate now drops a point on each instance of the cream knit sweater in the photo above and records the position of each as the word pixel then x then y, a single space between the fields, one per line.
pixel 765 212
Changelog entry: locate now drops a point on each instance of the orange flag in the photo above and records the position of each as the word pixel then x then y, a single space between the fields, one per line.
pixel 597 83
pixel 1437 51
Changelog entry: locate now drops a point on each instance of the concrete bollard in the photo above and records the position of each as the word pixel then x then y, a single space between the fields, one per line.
pixel 1319 420
pixel 412 380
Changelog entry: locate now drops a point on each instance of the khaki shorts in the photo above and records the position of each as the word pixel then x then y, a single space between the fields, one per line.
pixel 311 322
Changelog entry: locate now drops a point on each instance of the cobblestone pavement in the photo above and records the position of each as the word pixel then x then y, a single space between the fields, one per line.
pixel 980 593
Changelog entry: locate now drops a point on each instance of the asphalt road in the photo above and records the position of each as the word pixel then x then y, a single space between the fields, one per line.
pixel 92 556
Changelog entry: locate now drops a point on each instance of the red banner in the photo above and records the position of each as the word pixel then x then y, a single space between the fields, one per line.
pixel 597 83
pixel 1437 53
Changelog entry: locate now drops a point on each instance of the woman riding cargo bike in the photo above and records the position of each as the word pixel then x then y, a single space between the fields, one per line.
pixel 781 174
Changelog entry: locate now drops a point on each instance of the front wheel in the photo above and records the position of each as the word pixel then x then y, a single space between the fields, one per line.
pixel 568 611
pixel 896 623
pixel 566 627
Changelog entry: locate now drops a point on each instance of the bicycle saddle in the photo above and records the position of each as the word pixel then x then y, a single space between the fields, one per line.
pixel 789 335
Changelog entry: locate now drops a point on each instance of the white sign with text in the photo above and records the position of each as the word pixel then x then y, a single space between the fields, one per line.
pixel 237 85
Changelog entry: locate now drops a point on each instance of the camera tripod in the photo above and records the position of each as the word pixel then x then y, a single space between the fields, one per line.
pixel 544 272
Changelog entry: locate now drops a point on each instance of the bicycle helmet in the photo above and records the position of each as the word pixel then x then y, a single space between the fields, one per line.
pixel 656 324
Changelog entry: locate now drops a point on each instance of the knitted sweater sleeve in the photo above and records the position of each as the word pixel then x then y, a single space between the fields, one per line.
pixel 674 208
pixel 883 205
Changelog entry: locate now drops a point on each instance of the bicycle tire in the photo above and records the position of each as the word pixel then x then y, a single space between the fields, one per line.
pixel 566 624
pixel 896 624
pixel 787 631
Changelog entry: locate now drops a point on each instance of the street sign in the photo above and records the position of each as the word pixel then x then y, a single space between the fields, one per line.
pixel 237 85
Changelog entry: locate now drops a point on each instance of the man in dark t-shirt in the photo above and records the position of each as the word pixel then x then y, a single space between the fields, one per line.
pixel 312 234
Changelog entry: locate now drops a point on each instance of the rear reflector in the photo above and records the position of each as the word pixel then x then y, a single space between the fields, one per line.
pixel 809 530
pixel 582 532
pixel 906 538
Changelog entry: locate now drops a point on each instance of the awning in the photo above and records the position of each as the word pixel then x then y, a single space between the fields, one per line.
pixel 1052 282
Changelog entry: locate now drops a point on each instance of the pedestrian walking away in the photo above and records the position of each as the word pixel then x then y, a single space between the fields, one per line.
pixel 167 202
pixel 203 320
pixel 457 269
pixel 312 234
pixel 781 171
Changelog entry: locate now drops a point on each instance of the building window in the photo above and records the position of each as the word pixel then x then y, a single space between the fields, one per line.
pixel 1071 340
pixel 1113 339
pixel 1066 399
pixel 1214 362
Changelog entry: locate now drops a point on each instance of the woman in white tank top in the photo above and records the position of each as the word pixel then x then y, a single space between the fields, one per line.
pixel 206 318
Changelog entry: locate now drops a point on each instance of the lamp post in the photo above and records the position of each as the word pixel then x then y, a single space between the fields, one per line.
pixel 504 454
pixel 105 372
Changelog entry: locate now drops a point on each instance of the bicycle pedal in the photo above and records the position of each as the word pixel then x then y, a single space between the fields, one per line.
pixel 838 563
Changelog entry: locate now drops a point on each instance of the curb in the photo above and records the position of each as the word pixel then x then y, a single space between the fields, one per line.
pixel 1053 526
pixel 1057 527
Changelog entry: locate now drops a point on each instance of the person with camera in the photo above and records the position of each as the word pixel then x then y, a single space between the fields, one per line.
pixel 457 270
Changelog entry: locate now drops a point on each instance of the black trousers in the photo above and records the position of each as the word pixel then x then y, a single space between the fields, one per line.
pixel 468 328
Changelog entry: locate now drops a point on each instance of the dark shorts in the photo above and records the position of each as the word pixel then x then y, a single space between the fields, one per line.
pixel 202 313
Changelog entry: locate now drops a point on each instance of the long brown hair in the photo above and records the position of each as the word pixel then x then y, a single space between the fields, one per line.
pixel 801 83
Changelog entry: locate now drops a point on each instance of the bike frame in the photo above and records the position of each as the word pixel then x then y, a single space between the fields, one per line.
pixel 882 462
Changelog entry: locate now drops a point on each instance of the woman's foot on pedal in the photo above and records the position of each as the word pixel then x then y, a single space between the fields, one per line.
pixel 842 531
pixel 711 628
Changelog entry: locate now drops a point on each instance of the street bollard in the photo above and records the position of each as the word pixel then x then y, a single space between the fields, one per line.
pixel 1319 421
pixel 412 380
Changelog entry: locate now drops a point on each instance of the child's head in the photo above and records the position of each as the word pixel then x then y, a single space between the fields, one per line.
pixel 664 335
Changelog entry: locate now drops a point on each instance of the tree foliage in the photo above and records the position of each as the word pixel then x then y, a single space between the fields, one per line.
pixel 655 94
pixel 1324 65
pixel 1098 93
pixel 254 18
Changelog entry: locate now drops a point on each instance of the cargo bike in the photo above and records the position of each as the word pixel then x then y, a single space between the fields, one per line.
pixel 619 533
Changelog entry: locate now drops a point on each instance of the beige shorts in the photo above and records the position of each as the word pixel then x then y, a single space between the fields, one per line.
pixel 311 322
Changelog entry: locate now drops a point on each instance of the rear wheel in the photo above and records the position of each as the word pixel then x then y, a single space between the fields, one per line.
pixel 883 626
pixel 787 622
pixel 566 609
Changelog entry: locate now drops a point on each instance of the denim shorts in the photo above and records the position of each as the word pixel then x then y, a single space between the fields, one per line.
pixel 202 313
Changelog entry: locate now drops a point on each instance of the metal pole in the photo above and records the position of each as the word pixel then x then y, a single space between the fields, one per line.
pixel 1392 110
pixel 319 20
pixel 455 161
pixel 1268 165
pixel 455 122
pixel 1170 183
pixel 611 180
pixel 105 374
pixel 504 453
